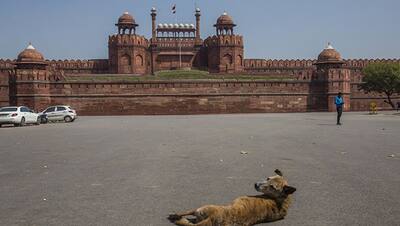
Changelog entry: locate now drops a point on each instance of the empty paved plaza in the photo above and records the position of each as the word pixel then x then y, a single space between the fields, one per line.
pixel 135 170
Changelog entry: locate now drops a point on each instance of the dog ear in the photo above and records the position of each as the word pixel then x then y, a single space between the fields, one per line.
pixel 288 190
pixel 278 172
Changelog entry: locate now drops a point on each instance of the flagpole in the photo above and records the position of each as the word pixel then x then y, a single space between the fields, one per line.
pixel 177 34
pixel 179 43
pixel 180 53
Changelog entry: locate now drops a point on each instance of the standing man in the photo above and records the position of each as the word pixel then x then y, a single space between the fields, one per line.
pixel 339 107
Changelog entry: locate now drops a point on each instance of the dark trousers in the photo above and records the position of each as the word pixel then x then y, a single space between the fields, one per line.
pixel 339 110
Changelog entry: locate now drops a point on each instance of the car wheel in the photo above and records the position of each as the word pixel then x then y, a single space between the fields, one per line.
pixel 22 123
pixel 44 120
pixel 38 121
pixel 67 119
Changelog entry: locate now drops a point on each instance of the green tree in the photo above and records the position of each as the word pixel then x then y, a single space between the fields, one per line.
pixel 382 78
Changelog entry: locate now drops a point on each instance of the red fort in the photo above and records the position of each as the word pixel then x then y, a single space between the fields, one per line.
pixel 272 85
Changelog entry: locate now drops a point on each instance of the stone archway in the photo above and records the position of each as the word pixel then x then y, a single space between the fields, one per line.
pixel 239 60
pixel 227 59
pixel 125 64
pixel 139 61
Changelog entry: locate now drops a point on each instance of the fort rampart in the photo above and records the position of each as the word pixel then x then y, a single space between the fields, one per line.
pixel 300 91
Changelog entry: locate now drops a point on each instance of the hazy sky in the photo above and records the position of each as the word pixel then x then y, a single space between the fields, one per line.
pixel 272 29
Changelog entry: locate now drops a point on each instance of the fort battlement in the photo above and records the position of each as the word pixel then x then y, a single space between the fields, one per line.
pixel 263 63
pixel 98 66
pixel 169 97
pixel 7 64
pixel 173 43
pixel 361 63
pixel 127 40
pixel 224 40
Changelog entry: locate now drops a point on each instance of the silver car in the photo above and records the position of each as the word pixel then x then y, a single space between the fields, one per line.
pixel 58 113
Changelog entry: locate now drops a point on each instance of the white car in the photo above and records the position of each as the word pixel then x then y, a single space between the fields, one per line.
pixel 19 116
pixel 58 113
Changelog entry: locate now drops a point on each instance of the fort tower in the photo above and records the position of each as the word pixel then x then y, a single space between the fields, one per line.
pixel 29 80
pixel 335 77
pixel 225 49
pixel 127 51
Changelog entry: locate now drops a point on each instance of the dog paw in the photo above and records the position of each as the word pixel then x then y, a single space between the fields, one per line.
pixel 174 217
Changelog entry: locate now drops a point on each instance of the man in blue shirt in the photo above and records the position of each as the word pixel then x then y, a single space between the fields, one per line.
pixel 339 107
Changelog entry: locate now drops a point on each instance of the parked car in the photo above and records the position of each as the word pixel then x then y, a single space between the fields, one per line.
pixel 58 113
pixel 19 116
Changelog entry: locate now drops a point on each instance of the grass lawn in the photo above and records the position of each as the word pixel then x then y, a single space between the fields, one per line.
pixel 174 75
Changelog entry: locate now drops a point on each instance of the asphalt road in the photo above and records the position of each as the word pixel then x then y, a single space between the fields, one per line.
pixel 135 170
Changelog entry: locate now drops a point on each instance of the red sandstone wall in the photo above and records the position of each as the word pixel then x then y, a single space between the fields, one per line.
pixel 191 97
pixel 295 69
pixel 6 64
pixel 255 64
pixel 361 101
pixel 5 67
pixel 97 66
pixel 79 66
pixel 166 54
pixel 225 53
pixel 305 93
pixel 259 64
pixel 35 83
pixel 128 54
pixel 154 105
pixel 4 89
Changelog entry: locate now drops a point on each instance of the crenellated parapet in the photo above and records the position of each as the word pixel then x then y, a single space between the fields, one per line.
pixel 299 69
pixel 356 66
pixel 79 66
pixel 361 63
pixel 7 64
pixel 269 63
pixel 309 63
pixel 224 40
pixel 128 40
pixel 167 44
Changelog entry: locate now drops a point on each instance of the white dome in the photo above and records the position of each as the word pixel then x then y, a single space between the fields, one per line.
pixel 329 46
pixel 160 25
pixel 30 46
pixel 171 26
pixel 187 25
pixel 181 25
pixel 191 25
pixel 176 25
pixel 165 25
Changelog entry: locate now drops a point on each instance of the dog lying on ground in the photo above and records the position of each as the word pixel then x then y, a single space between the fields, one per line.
pixel 272 205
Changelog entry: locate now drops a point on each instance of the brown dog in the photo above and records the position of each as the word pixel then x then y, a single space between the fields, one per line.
pixel 246 210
